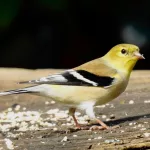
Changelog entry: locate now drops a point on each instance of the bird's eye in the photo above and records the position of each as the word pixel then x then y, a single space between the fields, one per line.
pixel 123 51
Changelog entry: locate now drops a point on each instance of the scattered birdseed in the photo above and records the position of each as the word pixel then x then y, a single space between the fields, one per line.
pixel 66 111
pixel 77 113
pixel 146 134
pixel 23 121
pixel 108 119
pixel 100 106
pixel 89 139
pixel 55 129
pixel 74 135
pixel 17 107
pixel 126 114
pixel 104 116
pixel 99 137
pixel 24 108
pixel 68 124
pixel 112 116
pixel 85 117
pixel 9 109
pixel 131 102
pixel 69 119
pixel 122 131
pixel 112 141
pixel 131 123
pixel 53 102
pixel 52 111
pixel 61 115
pixel 140 125
pixel 143 129
pixel 9 144
pixel 47 102
pixel 147 101
pixel 34 120
pixel 42 142
pixel 64 139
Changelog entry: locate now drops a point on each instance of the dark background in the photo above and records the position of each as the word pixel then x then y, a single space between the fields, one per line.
pixel 66 33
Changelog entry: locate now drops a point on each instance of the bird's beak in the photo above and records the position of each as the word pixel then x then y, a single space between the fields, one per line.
pixel 138 55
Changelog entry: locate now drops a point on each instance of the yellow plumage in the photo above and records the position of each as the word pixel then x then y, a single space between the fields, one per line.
pixel 93 83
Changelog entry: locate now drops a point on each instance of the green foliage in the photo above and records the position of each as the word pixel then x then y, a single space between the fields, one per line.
pixel 8 10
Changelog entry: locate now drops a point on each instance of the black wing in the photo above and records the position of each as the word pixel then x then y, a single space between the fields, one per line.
pixel 76 78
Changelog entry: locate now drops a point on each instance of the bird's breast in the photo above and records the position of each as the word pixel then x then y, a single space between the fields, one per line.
pixel 113 91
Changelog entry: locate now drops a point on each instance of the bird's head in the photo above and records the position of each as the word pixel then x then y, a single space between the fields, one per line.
pixel 124 56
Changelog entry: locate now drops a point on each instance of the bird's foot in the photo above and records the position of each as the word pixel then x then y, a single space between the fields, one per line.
pixel 103 127
pixel 114 127
pixel 82 127
pixel 96 128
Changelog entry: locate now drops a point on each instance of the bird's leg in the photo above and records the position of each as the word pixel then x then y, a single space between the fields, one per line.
pixel 72 113
pixel 103 125
pixel 90 113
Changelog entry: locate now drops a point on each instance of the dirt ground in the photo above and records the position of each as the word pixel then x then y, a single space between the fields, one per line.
pixel 30 122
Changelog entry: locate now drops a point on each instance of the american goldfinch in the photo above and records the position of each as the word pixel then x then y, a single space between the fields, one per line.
pixel 93 83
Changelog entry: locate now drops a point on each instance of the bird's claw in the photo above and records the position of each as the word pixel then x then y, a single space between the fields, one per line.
pixel 103 127
pixel 96 128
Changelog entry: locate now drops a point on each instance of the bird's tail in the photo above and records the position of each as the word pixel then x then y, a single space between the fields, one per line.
pixel 18 91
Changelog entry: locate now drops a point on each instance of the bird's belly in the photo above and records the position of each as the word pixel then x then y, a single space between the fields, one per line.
pixel 73 94
pixel 76 95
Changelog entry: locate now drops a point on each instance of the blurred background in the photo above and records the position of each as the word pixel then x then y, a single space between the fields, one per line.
pixel 67 33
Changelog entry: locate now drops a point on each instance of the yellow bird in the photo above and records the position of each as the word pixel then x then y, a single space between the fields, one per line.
pixel 93 83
